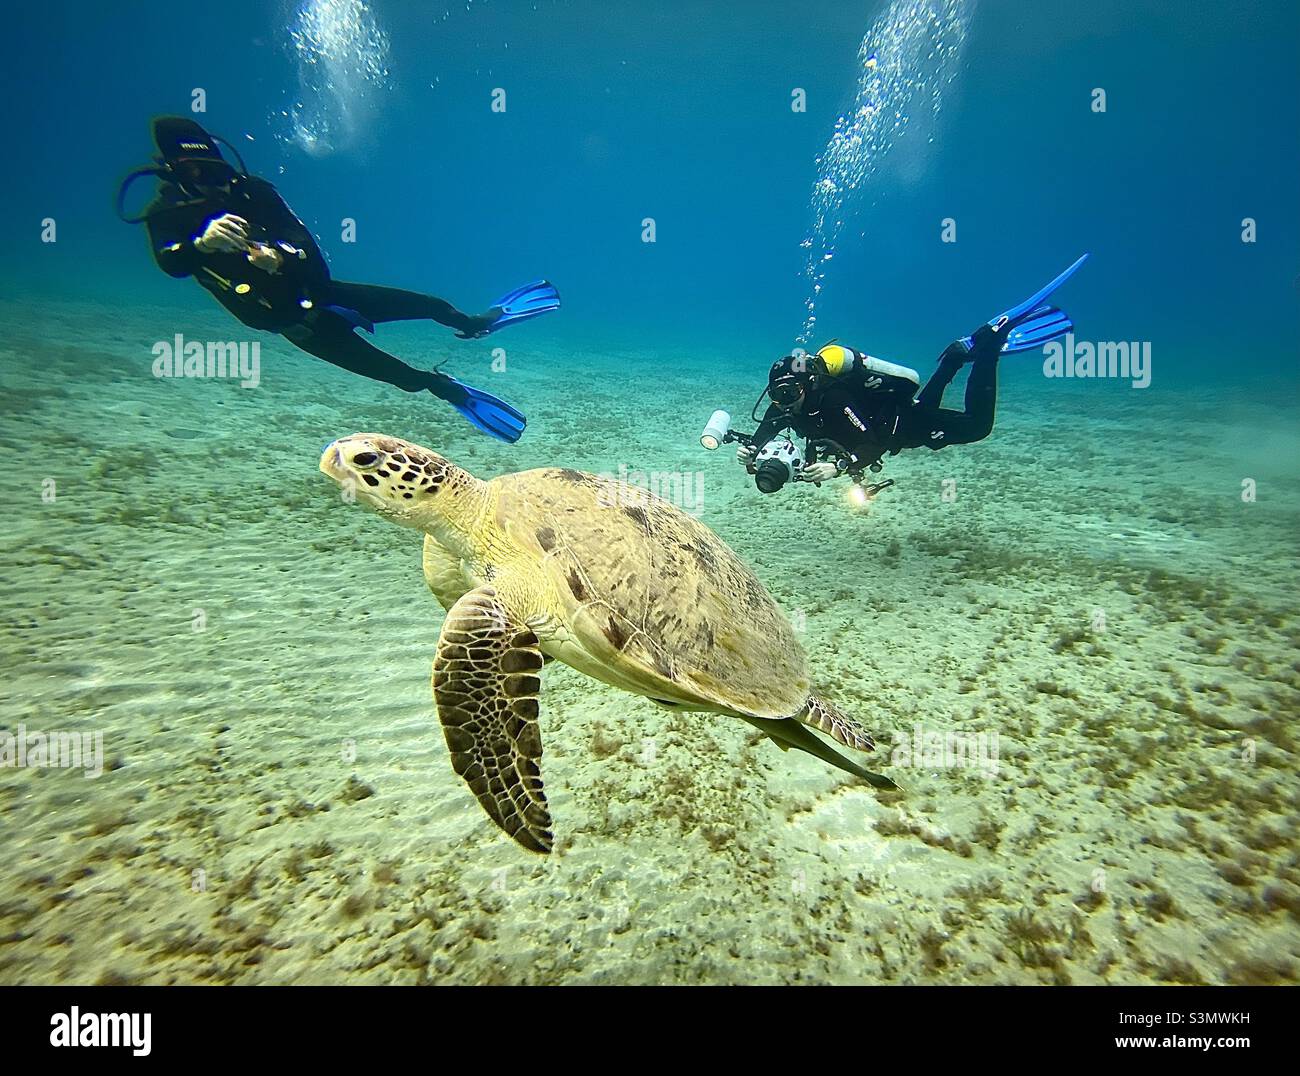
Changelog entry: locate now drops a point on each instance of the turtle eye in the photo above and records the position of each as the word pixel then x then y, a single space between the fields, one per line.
pixel 365 459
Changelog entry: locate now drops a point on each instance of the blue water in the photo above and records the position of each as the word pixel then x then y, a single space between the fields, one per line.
pixel 1100 594
pixel 615 114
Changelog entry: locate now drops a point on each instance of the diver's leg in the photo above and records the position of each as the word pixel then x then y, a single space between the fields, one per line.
pixel 332 339
pixel 394 304
pixel 981 398
pixel 928 424
pixel 951 361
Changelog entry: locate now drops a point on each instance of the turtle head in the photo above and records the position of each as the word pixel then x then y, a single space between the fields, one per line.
pixel 400 481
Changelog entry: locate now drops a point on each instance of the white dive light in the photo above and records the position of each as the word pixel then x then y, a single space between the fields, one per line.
pixel 715 431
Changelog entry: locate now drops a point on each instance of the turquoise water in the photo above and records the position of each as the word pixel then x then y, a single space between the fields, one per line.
pixel 1106 584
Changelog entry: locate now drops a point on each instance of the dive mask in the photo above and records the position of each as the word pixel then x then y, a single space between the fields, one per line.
pixel 189 158
pixel 786 392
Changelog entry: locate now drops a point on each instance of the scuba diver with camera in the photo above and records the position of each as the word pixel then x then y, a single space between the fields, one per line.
pixel 236 236
pixel 852 408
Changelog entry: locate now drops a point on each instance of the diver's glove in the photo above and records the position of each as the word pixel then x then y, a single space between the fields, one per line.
pixel 822 471
pixel 227 233
pixel 745 454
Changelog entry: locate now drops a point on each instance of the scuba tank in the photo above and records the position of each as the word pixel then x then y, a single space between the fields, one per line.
pixel 838 360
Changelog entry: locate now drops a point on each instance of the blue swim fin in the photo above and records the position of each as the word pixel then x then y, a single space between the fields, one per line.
pixel 493 416
pixel 530 301
pixel 1029 306
pixel 1042 326
pixel 1041 323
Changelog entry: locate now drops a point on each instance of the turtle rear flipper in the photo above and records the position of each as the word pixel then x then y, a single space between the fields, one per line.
pixel 833 721
pixel 787 732
pixel 485 685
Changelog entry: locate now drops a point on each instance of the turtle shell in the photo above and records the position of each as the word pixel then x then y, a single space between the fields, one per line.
pixel 653 595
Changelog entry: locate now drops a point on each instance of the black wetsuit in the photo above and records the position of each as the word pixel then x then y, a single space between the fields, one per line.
pixel 297 300
pixel 870 414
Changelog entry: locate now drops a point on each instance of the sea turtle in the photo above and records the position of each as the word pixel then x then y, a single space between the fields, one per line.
pixel 616 582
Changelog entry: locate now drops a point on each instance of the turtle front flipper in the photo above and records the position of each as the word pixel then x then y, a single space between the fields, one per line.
pixel 485 685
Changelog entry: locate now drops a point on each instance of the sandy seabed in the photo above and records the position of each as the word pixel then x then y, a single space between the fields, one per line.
pixel 277 805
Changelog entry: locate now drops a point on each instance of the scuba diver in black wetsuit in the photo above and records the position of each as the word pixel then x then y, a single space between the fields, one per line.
pixel 233 233
pixel 862 407
pixel 852 408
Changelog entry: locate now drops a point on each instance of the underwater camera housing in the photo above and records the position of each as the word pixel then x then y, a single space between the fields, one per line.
pixel 777 463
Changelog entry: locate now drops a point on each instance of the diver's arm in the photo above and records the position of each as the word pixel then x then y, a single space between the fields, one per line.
pixel 172 242
pixel 774 421
pixel 280 222
pixel 179 238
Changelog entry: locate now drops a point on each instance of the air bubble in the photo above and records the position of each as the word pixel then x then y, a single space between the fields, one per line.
pixel 910 52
